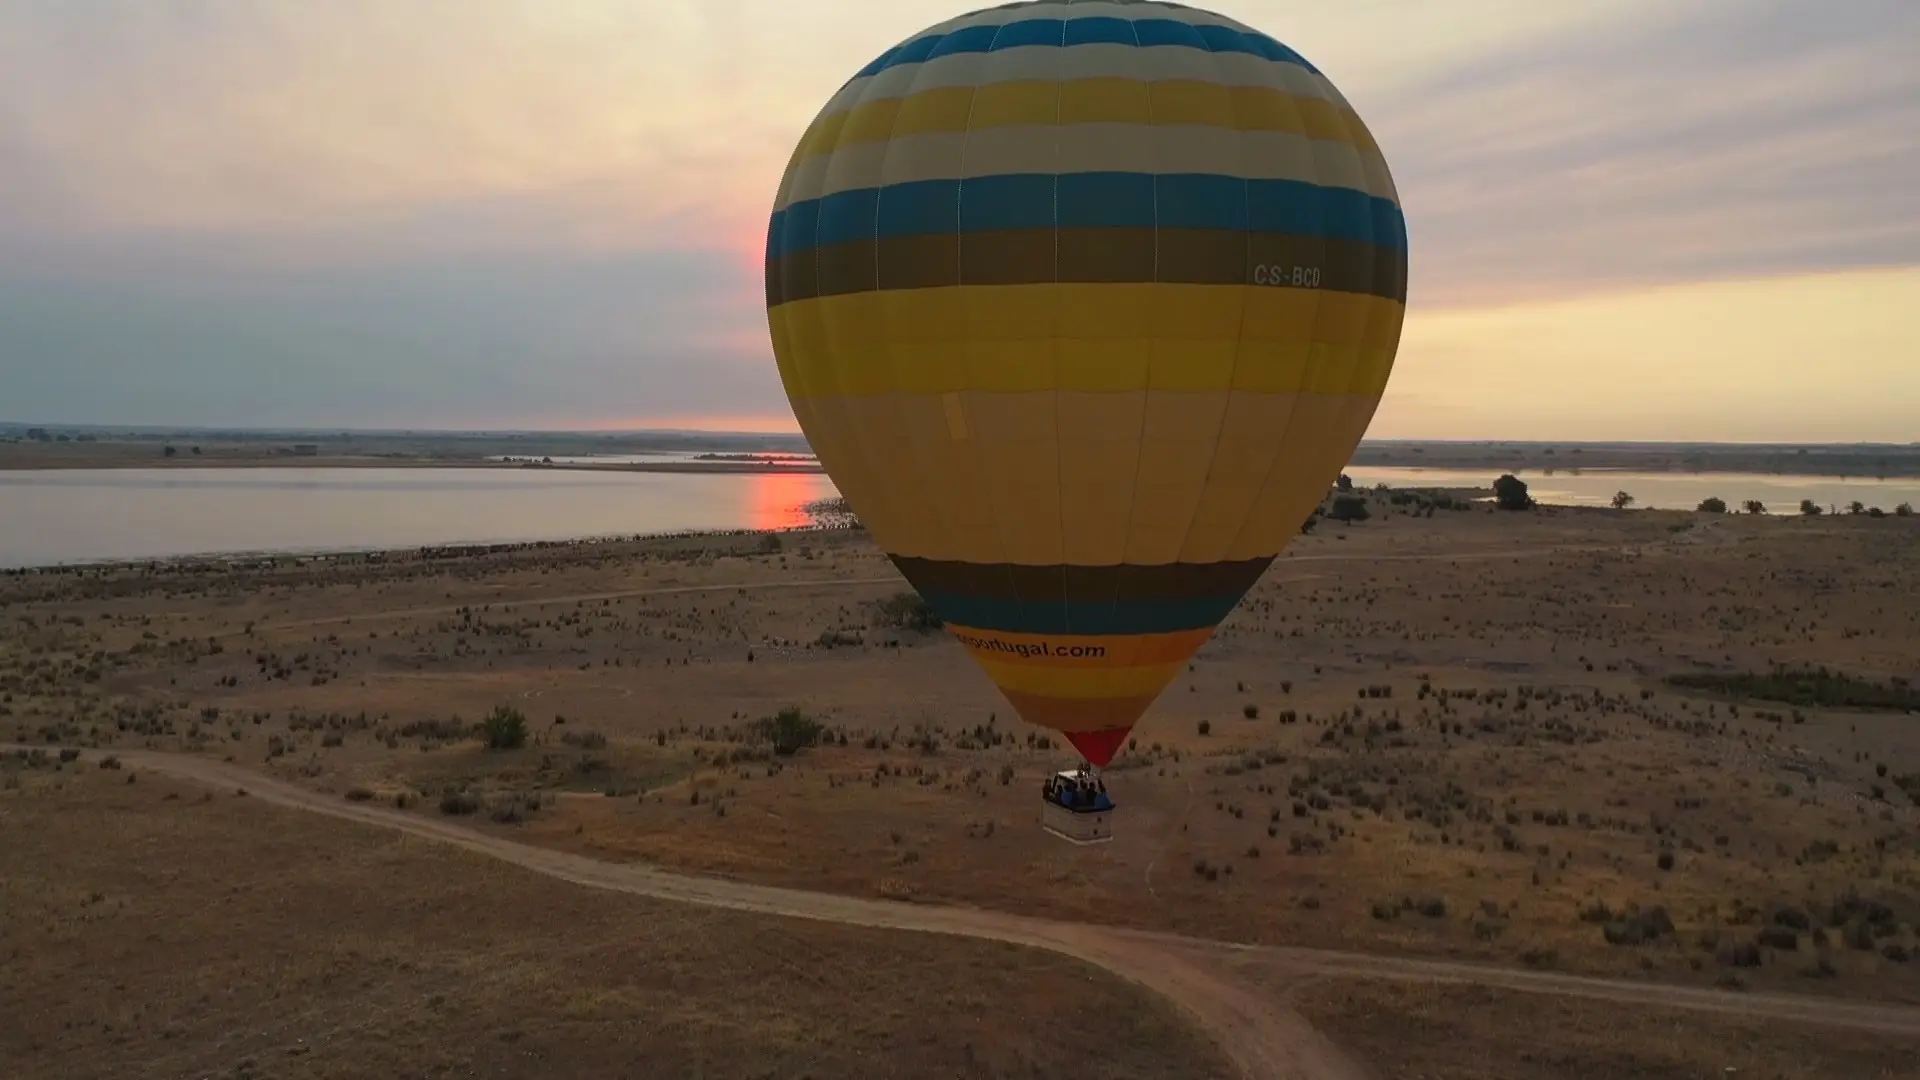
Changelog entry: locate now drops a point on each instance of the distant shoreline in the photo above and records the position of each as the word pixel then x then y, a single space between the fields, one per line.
pixel 48 449
pixel 359 462
pixel 10 463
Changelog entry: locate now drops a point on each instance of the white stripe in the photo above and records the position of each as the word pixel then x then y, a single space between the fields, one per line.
pixel 1151 64
pixel 1123 61
pixel 1088 9
pixel 1139 148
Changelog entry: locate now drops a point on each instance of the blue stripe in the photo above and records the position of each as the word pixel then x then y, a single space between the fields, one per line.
pixel 1098 30
pixel 1122 617
pixel 1087 200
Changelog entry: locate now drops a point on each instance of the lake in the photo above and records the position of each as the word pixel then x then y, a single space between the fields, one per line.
pixel 1666 491
pixel 95 515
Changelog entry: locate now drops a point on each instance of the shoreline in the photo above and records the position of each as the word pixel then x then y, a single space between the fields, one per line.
pixel 364 462
pixel 1526 470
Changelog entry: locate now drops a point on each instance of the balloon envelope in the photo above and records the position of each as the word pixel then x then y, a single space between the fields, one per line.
pixel 1083 307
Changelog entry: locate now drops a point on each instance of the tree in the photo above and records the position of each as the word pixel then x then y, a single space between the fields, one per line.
pixel 1754 506
pixel 1510 493
pixel 168 452
pixel 196 451
pixel 1349 508
pixel 1713 505
pixel 1345 483
pixel 505 728
pixel 1905 509
pixel 1809 508
pixel 1622 500
pixel 1856 507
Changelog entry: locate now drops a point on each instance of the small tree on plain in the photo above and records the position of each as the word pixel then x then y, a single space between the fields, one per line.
pixel 1349 508
pixel 168 451
pixel 1510 493
pixel 789 730
pixel 1345 483
pixel 1905 509
pixel 1713 505
pixel 1809 508
pixel 1856 507
pixel 505 728
pixel 1622 500
pixel 1754 506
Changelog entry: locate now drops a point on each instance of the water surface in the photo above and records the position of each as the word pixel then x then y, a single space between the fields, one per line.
pixel 91 515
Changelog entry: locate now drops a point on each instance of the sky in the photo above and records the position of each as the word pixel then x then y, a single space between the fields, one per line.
pixel 1629 219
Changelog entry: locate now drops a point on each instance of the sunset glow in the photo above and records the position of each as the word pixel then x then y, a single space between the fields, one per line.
pixel 552 214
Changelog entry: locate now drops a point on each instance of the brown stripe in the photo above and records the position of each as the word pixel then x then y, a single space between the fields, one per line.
pixel 1082 584
pixel 1078 714
pixel 1030 256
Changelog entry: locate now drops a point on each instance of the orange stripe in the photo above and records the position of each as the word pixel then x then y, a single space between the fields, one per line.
pixel 1078 714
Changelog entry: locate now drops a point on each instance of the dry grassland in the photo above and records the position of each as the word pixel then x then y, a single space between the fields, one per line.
pixel 156 929
pixel 1410 1031
pixel 1447 735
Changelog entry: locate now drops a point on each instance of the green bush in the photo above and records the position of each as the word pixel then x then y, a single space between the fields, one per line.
pixel 789 730
pixel 1349 508
pixel 1510 493
pixel 505 728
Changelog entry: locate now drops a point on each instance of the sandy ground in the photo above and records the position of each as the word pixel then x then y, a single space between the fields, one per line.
pixel 1207 981
pixel 162 929
pixel 1448 739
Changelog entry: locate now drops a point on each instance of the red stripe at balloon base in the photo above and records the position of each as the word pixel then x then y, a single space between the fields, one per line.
pixel 1098 747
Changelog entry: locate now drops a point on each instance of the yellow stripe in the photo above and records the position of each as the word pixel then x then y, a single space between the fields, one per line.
pixel 1169 476
pixel 1011 338
pixel 1138 649
pixel 1113 681
pixel 1088 101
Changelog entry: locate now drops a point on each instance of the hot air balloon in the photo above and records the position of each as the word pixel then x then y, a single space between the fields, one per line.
pixel 1082 307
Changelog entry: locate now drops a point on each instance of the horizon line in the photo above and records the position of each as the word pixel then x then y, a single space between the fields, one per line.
pixel 616 433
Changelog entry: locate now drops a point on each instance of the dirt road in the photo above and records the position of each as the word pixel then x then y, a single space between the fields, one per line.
pixel 1260 1035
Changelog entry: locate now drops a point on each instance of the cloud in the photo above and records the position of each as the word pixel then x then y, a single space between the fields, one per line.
pixel 552 211
pixel 475 342
pixel 1730 139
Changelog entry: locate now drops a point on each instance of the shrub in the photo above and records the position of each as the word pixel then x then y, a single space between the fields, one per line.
pixel 358 794
pixel 1713 505
pixel 1349 508
pixel 1510 493
pixel 1638 928
pixel 585 740
pixel 789 730
pixel 1204 727
pixel 909 611
pixel 459 803
pixel 1251 712
pixel 505 728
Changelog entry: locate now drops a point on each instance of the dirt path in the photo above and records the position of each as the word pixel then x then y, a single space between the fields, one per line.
pixel 1264 1039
